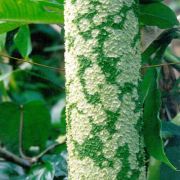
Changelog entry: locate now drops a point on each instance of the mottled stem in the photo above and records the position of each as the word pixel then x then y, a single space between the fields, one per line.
pixel 102 77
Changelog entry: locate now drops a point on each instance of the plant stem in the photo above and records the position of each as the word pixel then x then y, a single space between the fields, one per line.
pixel 13 158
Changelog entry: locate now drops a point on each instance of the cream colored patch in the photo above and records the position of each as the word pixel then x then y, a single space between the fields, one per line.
pixel 94 78
pixel 109 97
pixel 125 127
pixel 117 19
pixel 80 131
pixel 98 115
pixel 84 25
pixel 110 148
pixel 95 33
pixel 92 172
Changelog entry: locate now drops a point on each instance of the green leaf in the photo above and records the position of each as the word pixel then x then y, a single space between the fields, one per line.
pixel 162 41
pixel 27 11
pixel 9 170
pixel 152 127
pixel 42 172
pixel 8 26
pixel 9 123
pixel 59 163
pixel 173 153
pixel 146 83
pixel 35 129
pixel 22 41
pixel 157 14
pixel 151 95
pixel 36 124
pixel 44 74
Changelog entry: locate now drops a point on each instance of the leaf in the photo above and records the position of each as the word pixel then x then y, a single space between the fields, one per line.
pixel 151 95
pixel 9 170
pixel 27 11
pixel 59 163
pixel 35 129
pixel 9 123
pixel 41 172
pixel 162 41
pixel 22 41
pixel 157 14
pixel 152 127
pixel 8 26
pixel 146 83
pixel 173 153
pixel 49 77
pixel 36 124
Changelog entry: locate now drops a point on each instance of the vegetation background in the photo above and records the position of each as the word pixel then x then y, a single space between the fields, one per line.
pixel 32 97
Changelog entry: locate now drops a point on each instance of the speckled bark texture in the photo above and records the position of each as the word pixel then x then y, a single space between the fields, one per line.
pixel 102 76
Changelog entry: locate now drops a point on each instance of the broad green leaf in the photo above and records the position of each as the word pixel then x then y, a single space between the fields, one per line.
pixel 9 123
pixel 22 41
pixel 151 95
pixel 36 124
pixel 41 172
pixel 146 83
pixel 152 127
pixel 157 14
pixel 27 11
pixel 8 26
pixel 35 129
